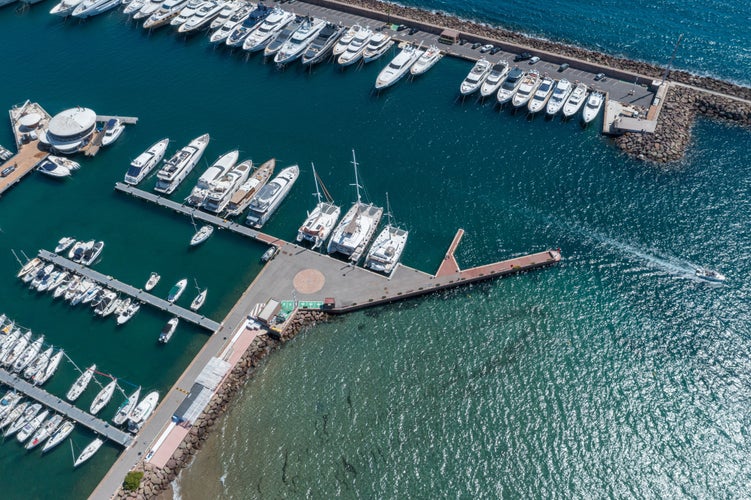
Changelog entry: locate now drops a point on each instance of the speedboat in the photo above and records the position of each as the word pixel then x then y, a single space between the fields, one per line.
pixel 89 8
pixel 222 189
pixel 52 168
pixel 202 235
pixel 186 12
pixel 199 300
pixel 28 354
pixel 214 172
pixel 81 383
pixel 709 275
pixel 475 77
pixel 72 289
pixel 104 396
pixel 45 431
pixel 281 37
pixel 321 221
pixel 179 166
pixel 345 40
pixel 593 106
pixel 112 131
pixel 148 8
pixel 239 33
pixel 142 411
pixel 495 78
pixel 78 251
pixel 142 165
pixel 560 95
pixel 88 292
pixel 322 45
pixel 575 100
pixel 542 95
pixel 59 435
pixel 47 281
pixel 43 376
pixel 398 67
pixel 526 89
pixel 63 244
pixel 152 281
pixel 88 452
pixel 108 305
pixel 248 190
pixel 168 330
pixel 378 45
pixel 426 61
pixel 127 313
pixel 31 426
pixel 177 290
pixel 90 255
pixel 299 41
pixel 356 47
pixel 263 206
pixel 222 32
pixel 38 363
pixel 62 277
pixel 125 409
pixel 263 34
pixel 166 13
pixel 64 8
pixel 202 17
pixel 41 275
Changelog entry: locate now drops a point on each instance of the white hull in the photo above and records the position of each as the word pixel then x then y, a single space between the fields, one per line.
pixel 318 226
pixel 355 231
pixel 177 168
pixel 145 162
pixel 93 9
pixel 263 207
pixel 477 75
pixel 426 61
pixel 81 383
pixel 575 101
pixel 398 67
pixel 592 107
pixel 387 249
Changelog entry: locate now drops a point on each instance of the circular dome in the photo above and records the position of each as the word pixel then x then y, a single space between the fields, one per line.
pixel 72 122
pixel 30 121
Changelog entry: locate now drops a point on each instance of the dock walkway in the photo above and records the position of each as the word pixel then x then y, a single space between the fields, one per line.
pixel 64 408
pixel 28 157
pixel 137 293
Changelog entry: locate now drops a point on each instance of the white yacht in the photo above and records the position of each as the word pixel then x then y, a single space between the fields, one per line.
pixel 248 190
pixel 526 89
pixel 299 41
pixel 142 165
pixel 31 426
pixel 321 221
pixel 355 48
pixel 38 363
pixel 148 8
pixel 398 66
pixel 59 435
pixel 281 37
pixel 542 95
pixel 43 376
pixel 239 33
pixel 475 77
pixel 9 401
pixel 28 355
pixel 510 85
pixel 199 300
pixel 227 11
pixel 177 290
pixel 179 166
pixel 27 268
pixel 426 61
pixel 63 244
pixel 169 329
pixel 202 235
pixel 127 313
pixel 214 172
pixel 202 17
pixel 45 431
pixel 709 275
pixel 560 95
pixel 125 409
pixel 323 44
pixel 221 33
pixel 81 383
pixel 495 78
pixel 166 13
pixel 31 411
pixel 90 255
pixel 142 412
pixel 593 106
pixel 262 35
pixel 89 8
pixel 152 281
pixel 104 396
pixel 64 8
pixel 52 167
pixel 134 6
pixel 88 452
pixel 345 40
pixel 112 131
pixel 353 233
pixel 17 349
pixel 263 206
pixel 221 190
pixel 186 12
pixel 575 100
pixel 14 414
pixel 378 45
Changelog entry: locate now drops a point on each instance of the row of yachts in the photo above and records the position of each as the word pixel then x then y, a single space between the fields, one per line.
pixel 532 90
pixel 21 354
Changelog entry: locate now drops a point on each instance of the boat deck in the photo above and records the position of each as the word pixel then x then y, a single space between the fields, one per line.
pixel 27 158
pixel 62 407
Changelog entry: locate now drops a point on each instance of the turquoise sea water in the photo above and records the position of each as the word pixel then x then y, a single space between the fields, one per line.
pixel 614 372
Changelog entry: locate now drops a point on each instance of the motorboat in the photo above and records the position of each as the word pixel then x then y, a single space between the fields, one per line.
pixel 62 277
pixel 239 33
pixel 476 76
pixel 353 233
pixel 222 189
pixel 112 131
pixel 52 168
pixel 263 34
pixel 31 426
pixel 281 37
pixel 28 355
pixel 148 8
pixel 180 165
pixel 145 162
pixel 495 78
pixel 14 414
pixel 542 95
pixel 186 12
pixel 108 304
pixel 45 431
pixel 299 41
pixel 50 281
pixel 166 13
pixel 398 66
pixel 263 206
pixel 177 290
pixel 43 376
pixel 89 451
pixel 345 40
pixel 104 396
pixel 426 61
pixel 575 100
pixel 202 235
pixel 90 255
pixel 17 349
pixel 709 275
pixel 9 401
pixel 202 17
pixel 59 435
pixel 38 363
pixel 323 44
pixel 142 411
pixel 560 95
pixel 270 253
pixel 28 415
pixel 64 8
pixel 250 188
pixel 593 106
pixel 127 313
pixel 33 263
pixel 79 250
pixel 152 281
pixel 168 330
pixel 321 221
pixel 134 6
pixel 199 300
pixel 214 172
pixel 81 383
pixel 221 33
pixel 510 85
pixel 228 10
pixel 378 45
pixel 88 291
pixel 42 274
pixel 526 89
pixel 90 8
pixel 32 272
pixel 72 288
pixel 356 47
pixel 126 408
pixel 63 244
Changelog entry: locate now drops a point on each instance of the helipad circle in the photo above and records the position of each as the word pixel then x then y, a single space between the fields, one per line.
pixel 309 281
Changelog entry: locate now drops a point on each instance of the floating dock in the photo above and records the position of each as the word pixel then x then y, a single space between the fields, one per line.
pixel 62 407
pixel 136 293
pixel 27 158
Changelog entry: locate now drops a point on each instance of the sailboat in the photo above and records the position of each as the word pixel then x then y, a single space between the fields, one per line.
pixel 104 396
pixel 321 221
pixel 388 246
pixel 88 452
pixel 126 408
pixel 200 298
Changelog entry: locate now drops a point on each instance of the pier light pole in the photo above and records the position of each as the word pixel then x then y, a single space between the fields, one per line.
pixel 672 57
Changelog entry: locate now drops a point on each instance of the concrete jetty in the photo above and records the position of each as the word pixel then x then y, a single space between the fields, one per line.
pixel 136 293
pixel 128 120
pixel 62 407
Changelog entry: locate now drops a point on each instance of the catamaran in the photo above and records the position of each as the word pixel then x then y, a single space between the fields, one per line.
pixel 80 384
pixel 244 195
pixel 388 246
pixel 263 206
pixel 321 221
pixel 179 166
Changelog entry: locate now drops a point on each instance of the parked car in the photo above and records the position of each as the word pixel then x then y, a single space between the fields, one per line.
pixel 476 45
pixel 413 30
pixel 494 51
pixel 486 48
pixel 534 60
pixel 522 57
pixel 599 76
pixel 563 67
pixel 462 41
pixel 7 171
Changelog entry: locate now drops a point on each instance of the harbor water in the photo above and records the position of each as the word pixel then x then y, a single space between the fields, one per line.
pixel 615 371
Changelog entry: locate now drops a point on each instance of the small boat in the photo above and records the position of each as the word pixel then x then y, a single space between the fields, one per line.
pixel 9 401
pixel 345 40
pixel 709 275
pixel 542 95
pixel 145 162
pixel 575 100
pixel 321 47
pixel 560 95
pixel 125 315
pixel 199 300
pixel 426 61
pixel 177 290
pixel 475 77
pixel 39 363
pixel 142 411
pixel 593 106
pixel 398 67
pixel 64 243
pixel 168 330
pixel 31 426
pixel 356 47
pixel 378 45
pixel 59 435
pixel 28 415
pixel 88 452
pixel 27 268
pixel 53 169
pixel 91 254
pixel 80 384
pixel 495 78
pixel 270 253
pixel 126 408
pixel 526 89
pixel 45 431
pixel 104 396
pixel 202 235
pixel 263 206
pixel 112 131
pixel 152 281
pixel 43 376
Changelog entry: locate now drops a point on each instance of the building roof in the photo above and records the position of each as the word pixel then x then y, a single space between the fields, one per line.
pixel 72 121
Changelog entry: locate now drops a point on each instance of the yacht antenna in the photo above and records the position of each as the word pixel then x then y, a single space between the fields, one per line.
pixel 315 178
pixel 357 183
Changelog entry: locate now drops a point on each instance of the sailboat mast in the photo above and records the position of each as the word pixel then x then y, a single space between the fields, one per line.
pixel 388 208
pixel 315 178
pixel 357 182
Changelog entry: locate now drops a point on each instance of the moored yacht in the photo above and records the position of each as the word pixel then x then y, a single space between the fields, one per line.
pixel 64 8
pixel 202 235
pixel 145 162
pixel 31 411
pixel 202 17
pixel 239 33
pixel 185 13
pixel 148 8
pixel 560 95
pixel 177 290
pixel 592 107
pixel 90 255
pixel 262 35
pixel 168 330
pixel 378 45
pixel 495 78
pixel 89 8
pixel 299 41
pixel 53 168
pixel 250 188
pixel 398 66
pixel 134 6
pixel 44 375
pixel 152 281
pixel 575 100
pixel 475 77
pixel 59 435
pixel 28 354
pixel 321 221
pixel 227 11
pixel 179 166
pixel 281 37
pixel 263 206
pixel 355 48
pixel 17 349
pixel 321 47
pixel 126 408
pixel 542 95
pixel 166 13
pixel 127 313
pixel 38 363
pixel 63 244
pixel 88 452
pixel 112 131
pixel 214 172
pixel 426 61
pixel 104 396
pixel 222 32
pixel 199 300
pixel 142 411
pixel 346 38
pixel 526 89
pixel 223 188
pixel 81 383
pixel 510 85
pixel 45 431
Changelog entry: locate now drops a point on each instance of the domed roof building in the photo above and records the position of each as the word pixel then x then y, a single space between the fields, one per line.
pixel 70 130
